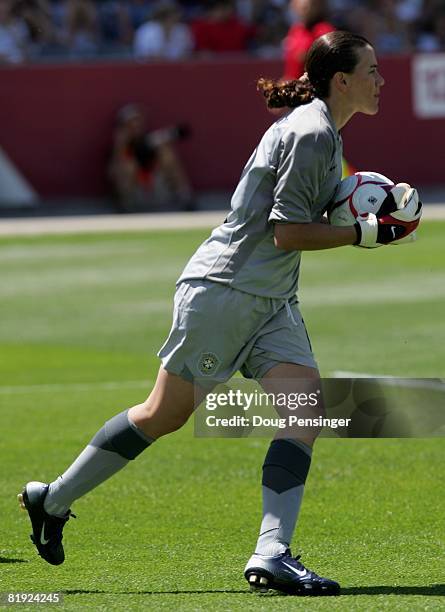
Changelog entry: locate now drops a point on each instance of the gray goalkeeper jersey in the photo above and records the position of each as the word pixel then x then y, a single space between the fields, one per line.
pixel 290 178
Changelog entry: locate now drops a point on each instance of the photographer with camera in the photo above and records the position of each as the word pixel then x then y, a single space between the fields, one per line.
pixel 145 171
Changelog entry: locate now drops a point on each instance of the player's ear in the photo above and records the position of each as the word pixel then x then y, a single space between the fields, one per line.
pixel 340 82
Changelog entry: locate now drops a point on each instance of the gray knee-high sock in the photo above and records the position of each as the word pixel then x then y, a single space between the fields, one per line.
pixel 114 445
pixel 285 469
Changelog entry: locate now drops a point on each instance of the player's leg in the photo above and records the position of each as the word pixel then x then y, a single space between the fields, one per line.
pixel 285 470
pixel 169 405
pixel 287 462
pixel 283 362
pixel 123 438
pixel 119 441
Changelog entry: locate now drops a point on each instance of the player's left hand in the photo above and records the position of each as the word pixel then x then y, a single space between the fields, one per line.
pixel 402 203
pixel 407 207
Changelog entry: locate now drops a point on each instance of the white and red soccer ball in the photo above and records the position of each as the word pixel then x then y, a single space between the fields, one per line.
pixel 371 192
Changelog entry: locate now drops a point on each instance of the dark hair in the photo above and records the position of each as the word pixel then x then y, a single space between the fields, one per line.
pixel 330 53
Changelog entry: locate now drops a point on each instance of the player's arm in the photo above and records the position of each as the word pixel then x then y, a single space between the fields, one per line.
pixel 312 236
pixel 303 166
pixel 368 231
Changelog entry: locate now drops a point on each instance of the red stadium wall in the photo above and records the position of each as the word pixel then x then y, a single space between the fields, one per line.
pixel 56 121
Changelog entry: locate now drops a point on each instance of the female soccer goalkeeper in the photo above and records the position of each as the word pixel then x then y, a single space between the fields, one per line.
pixel 236 308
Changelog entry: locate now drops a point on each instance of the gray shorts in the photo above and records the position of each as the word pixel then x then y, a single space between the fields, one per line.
pixel 218 330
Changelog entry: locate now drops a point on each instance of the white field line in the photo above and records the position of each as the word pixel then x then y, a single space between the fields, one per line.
pixel 435 384
pixel 111 223
pixel 137 222
pixel 433 212
pixel 67 387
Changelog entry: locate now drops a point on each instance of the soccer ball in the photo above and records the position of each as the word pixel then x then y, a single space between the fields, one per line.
pixel 360 193
pixel 367 192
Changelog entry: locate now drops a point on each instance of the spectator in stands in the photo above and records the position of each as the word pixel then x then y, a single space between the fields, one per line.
pixel 364 21
pixel 164 36
pixel 271 25
pixel 85 28
pixel 139 11
pixel 220 30
pixel 312 15
pixel 14 37
pixel 432 36
pixel 81 28
pixel 250 11
pixel 144 170
pixel 192 8
pixel 391 35
pixel 409 11
pixel 58 11
pixel 37 16
pixel 339 11
pixel 115 27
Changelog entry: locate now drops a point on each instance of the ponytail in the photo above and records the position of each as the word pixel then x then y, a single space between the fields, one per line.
pixel 287 93
pixel 333 52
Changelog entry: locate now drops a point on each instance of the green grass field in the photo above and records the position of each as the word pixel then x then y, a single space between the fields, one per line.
pixel 81 320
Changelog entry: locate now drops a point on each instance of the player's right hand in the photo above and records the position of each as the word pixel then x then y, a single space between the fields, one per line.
pixel 373 232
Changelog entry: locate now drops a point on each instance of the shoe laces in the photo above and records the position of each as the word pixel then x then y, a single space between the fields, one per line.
pixel 299 565
pixel 298 562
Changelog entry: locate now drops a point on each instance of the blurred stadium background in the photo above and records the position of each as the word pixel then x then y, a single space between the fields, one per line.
pixel 68 66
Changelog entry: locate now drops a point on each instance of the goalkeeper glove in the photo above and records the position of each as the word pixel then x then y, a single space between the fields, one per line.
pixel 402 202
pixel 399 215
pixel 373 232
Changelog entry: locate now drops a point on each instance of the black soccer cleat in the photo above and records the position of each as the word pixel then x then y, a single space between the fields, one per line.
pixel 46 529
pixel 286 574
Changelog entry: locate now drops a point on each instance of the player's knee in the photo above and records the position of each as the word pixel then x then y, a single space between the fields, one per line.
pixel 164 419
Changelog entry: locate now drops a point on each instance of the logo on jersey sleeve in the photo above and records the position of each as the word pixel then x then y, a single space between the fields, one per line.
pixel 208 364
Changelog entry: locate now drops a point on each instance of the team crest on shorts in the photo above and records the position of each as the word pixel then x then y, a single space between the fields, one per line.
pixel 208 364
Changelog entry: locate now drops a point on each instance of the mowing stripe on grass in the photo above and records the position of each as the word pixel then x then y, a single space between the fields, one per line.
pixel 55 388
pixel 435 384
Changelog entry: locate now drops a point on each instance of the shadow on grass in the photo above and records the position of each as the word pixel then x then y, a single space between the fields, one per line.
pixel 10 560
pixel 178 592
pixel 432 590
